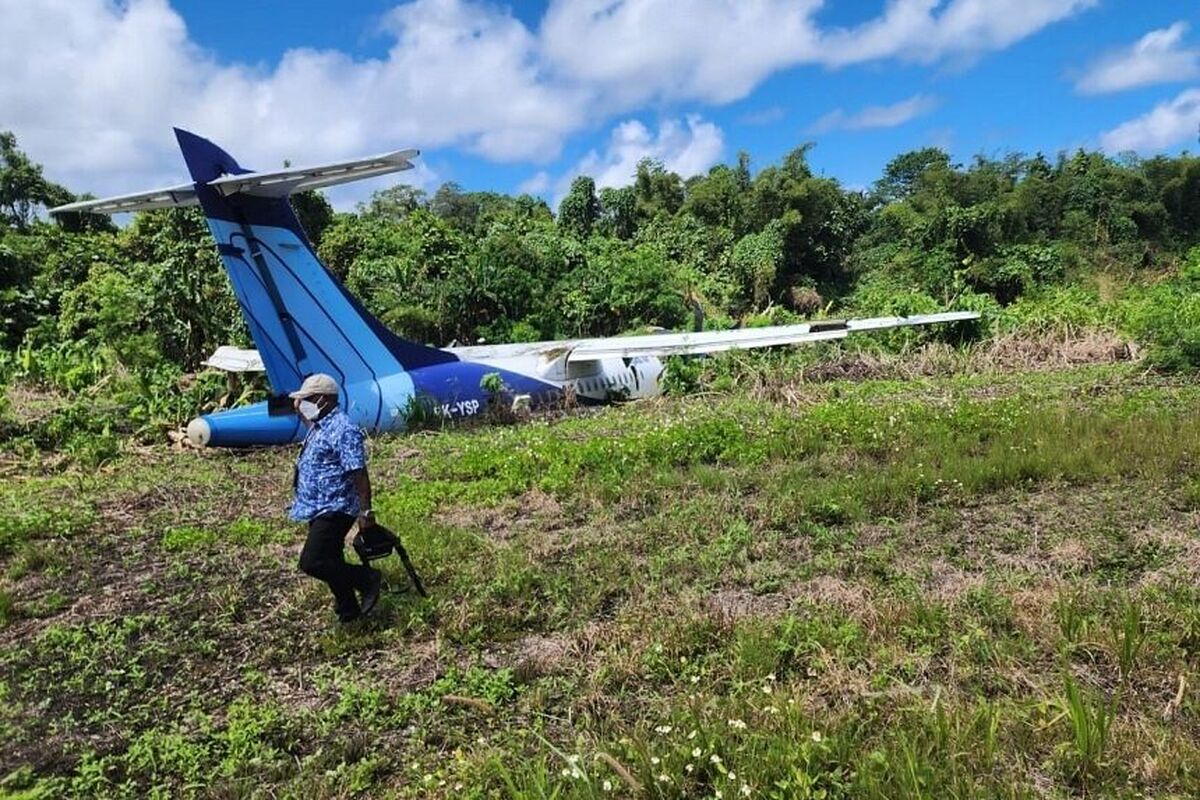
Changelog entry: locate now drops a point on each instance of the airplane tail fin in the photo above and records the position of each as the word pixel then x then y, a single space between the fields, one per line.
pixel 301 317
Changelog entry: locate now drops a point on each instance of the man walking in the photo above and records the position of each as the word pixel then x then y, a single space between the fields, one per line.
pixel 332 491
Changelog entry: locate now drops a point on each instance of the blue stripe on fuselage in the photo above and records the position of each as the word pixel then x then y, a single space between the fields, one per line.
pixel 455 390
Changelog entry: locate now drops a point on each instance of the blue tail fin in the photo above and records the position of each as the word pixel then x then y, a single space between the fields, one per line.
pixel 302 319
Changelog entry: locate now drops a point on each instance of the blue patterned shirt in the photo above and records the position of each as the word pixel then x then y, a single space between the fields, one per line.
pixel 334 448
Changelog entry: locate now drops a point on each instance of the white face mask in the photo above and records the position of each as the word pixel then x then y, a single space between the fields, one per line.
pixel 309 410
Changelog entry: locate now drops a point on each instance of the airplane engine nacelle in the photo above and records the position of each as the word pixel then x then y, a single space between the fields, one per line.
pixel 247 426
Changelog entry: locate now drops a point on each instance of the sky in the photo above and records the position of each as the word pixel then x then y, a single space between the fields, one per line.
pixel 524 96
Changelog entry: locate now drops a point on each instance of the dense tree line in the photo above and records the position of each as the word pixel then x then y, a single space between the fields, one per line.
pixel 464 266
pixel 81 297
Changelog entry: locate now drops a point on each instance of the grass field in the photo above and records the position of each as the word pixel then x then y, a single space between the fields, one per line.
pixel 969 586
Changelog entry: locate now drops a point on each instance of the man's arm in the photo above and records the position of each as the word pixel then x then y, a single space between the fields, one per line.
pixel 352 450
pixel 362 485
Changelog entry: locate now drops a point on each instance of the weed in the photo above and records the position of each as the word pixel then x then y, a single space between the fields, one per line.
pixel 8 606
pixel 1090 719
pixel 188 538
pixel 1128 637
pixel 1072 619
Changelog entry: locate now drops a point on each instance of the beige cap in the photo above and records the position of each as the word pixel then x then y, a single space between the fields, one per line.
pixel 317 383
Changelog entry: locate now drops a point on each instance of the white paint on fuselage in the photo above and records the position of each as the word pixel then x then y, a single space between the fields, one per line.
pixel 603 380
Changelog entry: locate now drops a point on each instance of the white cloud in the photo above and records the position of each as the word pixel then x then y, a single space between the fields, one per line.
pixel 92 87
pixel 637 51
pixel 876 116
pixel 687 147
pixel 640 50
pixel 1155 58
pixel 1166 125
pixel 536 184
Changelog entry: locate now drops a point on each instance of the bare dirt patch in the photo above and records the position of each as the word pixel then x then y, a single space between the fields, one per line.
pixel 533 509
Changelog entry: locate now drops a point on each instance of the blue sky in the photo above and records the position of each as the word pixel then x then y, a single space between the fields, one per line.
pixel 526 95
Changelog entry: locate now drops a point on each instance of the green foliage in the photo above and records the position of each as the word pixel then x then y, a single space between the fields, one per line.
pixel 23 189
pixel 681 376
pixel 1166 316
pixel 314 213
pixel 580 209
pixel 1090 720
pixel 757 259
pixel 886 589
pixel 492 383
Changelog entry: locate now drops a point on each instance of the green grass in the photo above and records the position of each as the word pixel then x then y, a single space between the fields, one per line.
pixel 949 587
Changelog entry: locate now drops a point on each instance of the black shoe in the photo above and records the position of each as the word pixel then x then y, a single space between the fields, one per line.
pixel 346 619
pixel 371 595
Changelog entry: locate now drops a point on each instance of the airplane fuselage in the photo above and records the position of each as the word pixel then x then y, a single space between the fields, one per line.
pixel 451 391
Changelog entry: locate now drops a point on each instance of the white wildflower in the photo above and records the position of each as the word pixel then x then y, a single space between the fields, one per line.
pixel 737 724
pixel 816 736
pixel 608 786
pixel 745 790
pixel 663 730
pixel 696 752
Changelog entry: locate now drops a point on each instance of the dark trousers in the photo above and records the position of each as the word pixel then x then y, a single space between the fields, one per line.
pixel 322 558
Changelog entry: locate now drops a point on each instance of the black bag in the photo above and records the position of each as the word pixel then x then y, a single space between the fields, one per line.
pixel 378 542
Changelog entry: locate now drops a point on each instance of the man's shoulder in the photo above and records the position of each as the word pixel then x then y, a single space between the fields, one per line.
pixel 339 425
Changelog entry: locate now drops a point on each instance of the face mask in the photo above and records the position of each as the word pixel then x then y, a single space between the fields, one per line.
pixel 309 410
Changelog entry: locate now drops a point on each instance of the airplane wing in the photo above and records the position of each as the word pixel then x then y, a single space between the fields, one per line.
pixel 280 183
pixel 679 344
pixel 668 344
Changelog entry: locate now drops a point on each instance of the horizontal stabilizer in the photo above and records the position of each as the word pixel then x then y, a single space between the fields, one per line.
pixel 235 359
pixel 278 184
pixel 286 181
pixel 171 197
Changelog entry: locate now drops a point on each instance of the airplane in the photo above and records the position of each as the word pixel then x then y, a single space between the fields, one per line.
pixel 303 320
